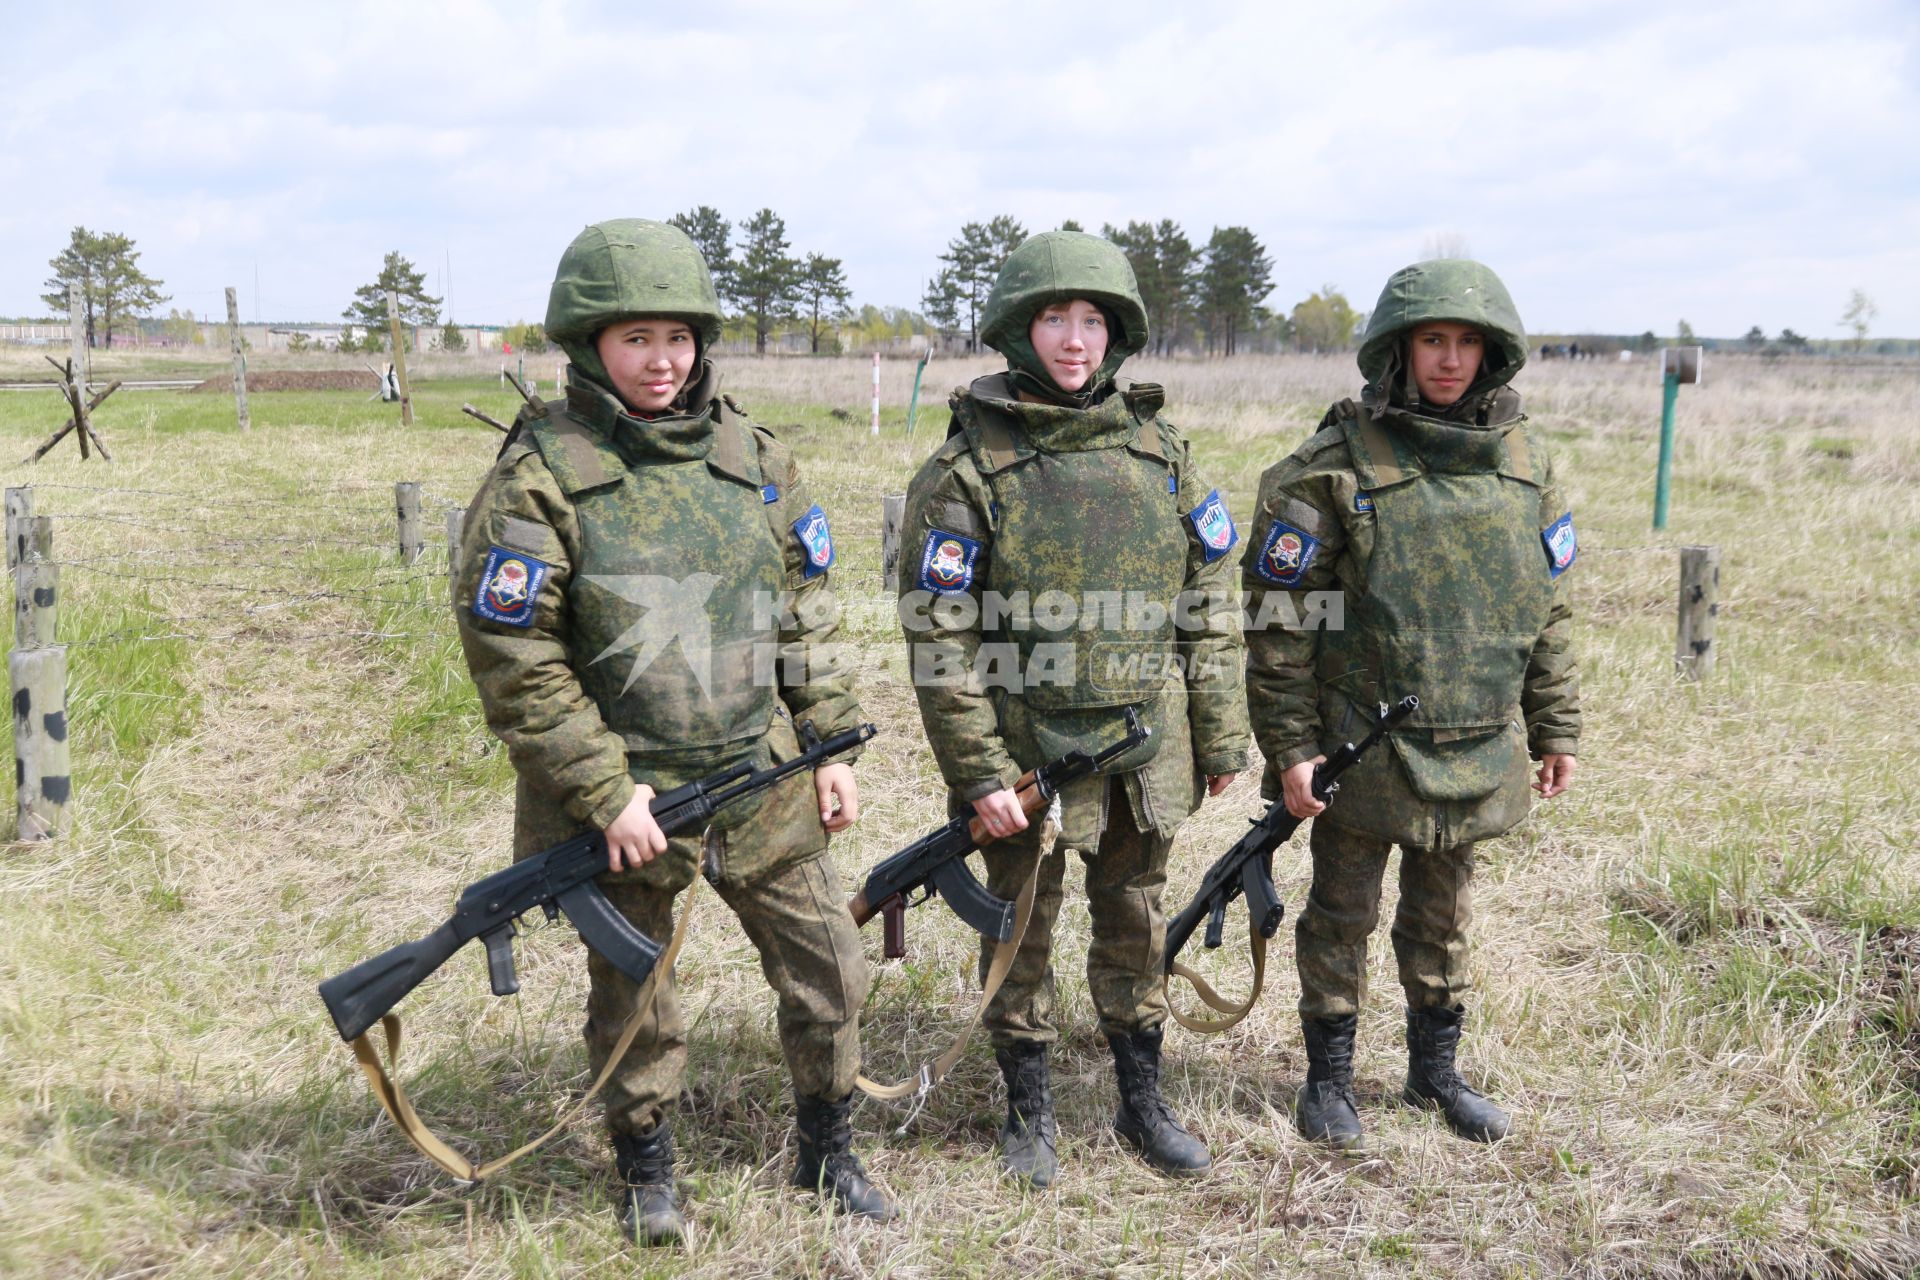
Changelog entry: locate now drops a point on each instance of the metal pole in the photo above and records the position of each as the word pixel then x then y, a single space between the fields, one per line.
pixel 1663 482
pixel 913 405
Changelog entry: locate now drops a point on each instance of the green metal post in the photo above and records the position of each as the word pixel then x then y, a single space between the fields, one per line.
pixel 913 405
pixel 1663 483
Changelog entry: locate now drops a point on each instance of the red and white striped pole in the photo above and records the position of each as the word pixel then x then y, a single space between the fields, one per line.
pixel 876 393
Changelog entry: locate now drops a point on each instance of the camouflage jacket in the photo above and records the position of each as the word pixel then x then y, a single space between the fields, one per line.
pixel 1315 532
pixel 551 701
pixel 954 513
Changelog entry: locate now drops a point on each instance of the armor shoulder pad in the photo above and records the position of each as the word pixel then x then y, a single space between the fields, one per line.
pixel 576 454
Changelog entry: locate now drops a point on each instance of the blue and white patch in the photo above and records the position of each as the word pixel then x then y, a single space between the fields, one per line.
pixel 509 586
pixel 947 562
pixel 1286 555
pixel 1173 483
pixel 1214 527
pixel 1362 501
pixel 769 493
pixel 816 541
pixel 1562 544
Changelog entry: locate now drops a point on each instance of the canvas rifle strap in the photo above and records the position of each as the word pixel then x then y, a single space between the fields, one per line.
pixel 1257 944
pixel 394 1099
pixel 932 1073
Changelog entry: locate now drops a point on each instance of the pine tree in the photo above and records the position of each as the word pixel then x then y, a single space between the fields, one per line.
pixel 368 310
pixel 710 234
pixel 823 283
pixel 113 288
pixel 766 283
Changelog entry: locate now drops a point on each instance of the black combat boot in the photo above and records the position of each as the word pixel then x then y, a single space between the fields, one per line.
pixel 1324 1111
pixel 827 1163
pixel 1144 1118
pixel 1432 1036
pixel 1028 1141
pixel 649 1211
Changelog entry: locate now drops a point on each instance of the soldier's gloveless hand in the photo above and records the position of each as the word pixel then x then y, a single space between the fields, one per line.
pixel 1218 782
pixel 1555 776
pixel 839 796
pixel 1001 812
pixel 1296 787
pixel 635 839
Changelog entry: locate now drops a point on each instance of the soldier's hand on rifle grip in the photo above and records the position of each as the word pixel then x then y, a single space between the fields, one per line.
pixel 1296 788
pixel 635 839
pixel 839 796
pixel 1001 812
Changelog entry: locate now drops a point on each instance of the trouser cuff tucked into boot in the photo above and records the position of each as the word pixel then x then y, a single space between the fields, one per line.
pixel 1144 1119
pixel 827 1164
pixel 1029 1142
pixel 649 1210
pixel 1433 1036
pixel 1325 1110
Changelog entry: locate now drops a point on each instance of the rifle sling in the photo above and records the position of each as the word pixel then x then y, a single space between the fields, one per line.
pixel 394 1099
pixel 1257 944
pixel 933 1072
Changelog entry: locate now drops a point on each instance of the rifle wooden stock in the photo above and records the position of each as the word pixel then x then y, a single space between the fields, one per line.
pixel 1031 802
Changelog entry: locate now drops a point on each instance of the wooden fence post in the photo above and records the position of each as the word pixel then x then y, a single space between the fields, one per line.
pixel 239 361
pixel 19 524
pixel 893 513
pixel 399 358
pixel 1693 652
pixel 77 348
pixel 42 761
pixel 406 503
pixel 36 598
pixel 456 518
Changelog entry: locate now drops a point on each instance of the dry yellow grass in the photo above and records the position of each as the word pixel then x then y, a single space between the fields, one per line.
pixel 1696 982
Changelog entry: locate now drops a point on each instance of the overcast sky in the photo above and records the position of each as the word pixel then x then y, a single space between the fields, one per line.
pixel 1622 166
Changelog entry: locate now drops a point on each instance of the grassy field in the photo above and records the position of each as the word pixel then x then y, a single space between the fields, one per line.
pixel 1696 972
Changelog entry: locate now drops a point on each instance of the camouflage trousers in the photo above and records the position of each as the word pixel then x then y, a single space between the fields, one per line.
pixel 1343 908
pixel 796 916
pixel 1126 873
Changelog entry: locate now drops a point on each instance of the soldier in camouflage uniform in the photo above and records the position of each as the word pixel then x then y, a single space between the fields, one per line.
pixel 634 564
pixel 1431 505
pixel 1059 482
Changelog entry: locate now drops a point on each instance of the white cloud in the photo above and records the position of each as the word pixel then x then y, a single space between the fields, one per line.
pixel 1735 164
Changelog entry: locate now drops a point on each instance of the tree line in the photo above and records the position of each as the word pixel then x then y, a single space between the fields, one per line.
pixel 1209 297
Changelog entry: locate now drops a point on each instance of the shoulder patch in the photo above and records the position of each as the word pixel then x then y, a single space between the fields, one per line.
pixel 509 586
pixel 1286 555
pixel 1562 545
pixel 947 562
pixel 1213 526
pixel 816 541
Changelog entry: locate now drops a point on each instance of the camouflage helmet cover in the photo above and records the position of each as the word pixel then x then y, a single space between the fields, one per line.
pixel 630 267
pixel 1057 266
pixel 1456 289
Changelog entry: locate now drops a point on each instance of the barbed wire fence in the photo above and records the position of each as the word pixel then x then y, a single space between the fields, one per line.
pixel 170 566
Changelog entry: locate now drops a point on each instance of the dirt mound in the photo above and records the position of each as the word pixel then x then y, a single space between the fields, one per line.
pixel 298 380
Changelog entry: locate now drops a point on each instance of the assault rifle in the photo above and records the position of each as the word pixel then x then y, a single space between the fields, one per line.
pixel 938 860
pixel 1247 868
pixel 560 879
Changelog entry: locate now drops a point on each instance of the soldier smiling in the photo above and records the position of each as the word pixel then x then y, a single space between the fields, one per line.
pixel 625 549
pixel 1059 482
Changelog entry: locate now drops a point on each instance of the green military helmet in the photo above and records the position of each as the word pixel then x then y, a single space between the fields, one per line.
pixel 628 267
pixel 1056 266
pixel 1456 289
